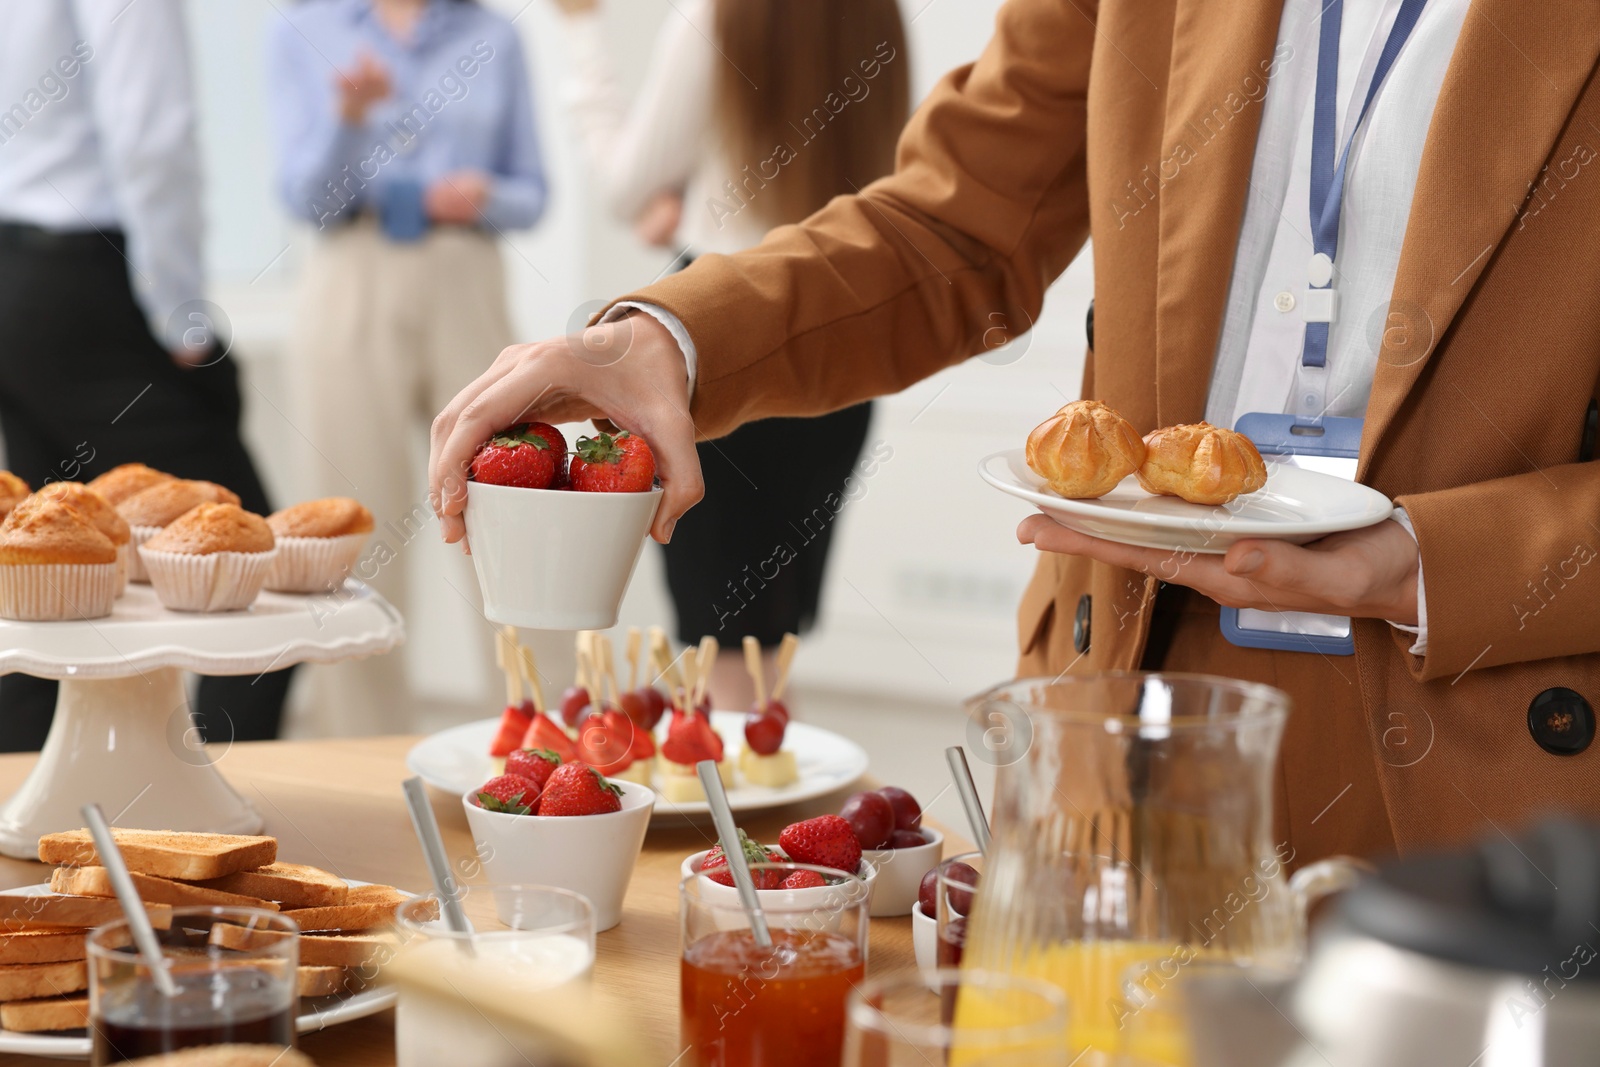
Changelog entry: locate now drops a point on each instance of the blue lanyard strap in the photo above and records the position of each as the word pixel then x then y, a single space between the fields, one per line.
pixel 1327 180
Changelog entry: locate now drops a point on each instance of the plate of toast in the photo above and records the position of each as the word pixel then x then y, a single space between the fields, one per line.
pixel 347 927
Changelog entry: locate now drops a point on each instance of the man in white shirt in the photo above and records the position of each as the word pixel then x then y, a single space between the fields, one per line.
pixel 108 352
pixel 1372 209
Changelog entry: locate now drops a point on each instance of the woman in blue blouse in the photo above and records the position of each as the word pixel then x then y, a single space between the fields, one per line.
pixel 406 137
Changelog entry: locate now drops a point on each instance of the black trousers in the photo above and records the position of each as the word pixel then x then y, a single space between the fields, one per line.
pixel 750 557
pixel 84 386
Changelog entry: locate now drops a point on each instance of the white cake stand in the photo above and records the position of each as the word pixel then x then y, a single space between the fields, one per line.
pixel 122 734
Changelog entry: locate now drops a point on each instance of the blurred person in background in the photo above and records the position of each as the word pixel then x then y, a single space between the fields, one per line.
pixel 406 137
pixel 753 114
pixel 108 354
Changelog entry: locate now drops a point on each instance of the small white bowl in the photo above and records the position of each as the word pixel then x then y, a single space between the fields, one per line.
pixel 900 872
pixel 589 854
pixel 925 943
pixel 785 908
pixel 554 559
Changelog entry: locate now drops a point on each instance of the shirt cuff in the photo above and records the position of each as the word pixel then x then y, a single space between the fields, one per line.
pixel 1419 647
pixel 674 326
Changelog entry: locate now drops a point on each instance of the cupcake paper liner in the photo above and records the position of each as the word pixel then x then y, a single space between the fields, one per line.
pixel 314 564
pixel 124 555
pixel 139 535
pixel 218 581
pixel 54 592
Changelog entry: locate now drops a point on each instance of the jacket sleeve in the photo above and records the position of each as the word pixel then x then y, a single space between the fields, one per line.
pixel 1536 600
pixel 987 205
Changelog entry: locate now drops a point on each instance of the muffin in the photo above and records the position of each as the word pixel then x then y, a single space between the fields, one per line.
pixel 119 483
pixel 54 564
pixel 213 557
pixel 152 507
pixel 318 542
pixel 1084 450
pixel 1201 463
pixel 12 492
pixel 101 515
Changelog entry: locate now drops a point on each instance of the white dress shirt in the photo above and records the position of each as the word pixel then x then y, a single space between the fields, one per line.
pixel 668 139
pixel 1257 365
pixel 97 132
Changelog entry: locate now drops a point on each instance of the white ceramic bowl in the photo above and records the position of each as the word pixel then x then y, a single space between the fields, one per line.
pixel 900 872
pixel 589 854
pixel 925 943
pixel 553 559
pixel 785 908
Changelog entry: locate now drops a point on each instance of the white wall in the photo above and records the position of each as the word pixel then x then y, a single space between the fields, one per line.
pixel 926 571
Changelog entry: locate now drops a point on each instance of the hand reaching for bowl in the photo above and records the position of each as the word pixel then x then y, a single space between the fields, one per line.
pixel 630 371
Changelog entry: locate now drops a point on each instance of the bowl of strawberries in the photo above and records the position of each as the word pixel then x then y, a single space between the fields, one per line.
pixel 549 822
pixel 825 842
pixel 556 534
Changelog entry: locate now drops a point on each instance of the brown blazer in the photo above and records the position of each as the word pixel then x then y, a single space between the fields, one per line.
pixel 1136 123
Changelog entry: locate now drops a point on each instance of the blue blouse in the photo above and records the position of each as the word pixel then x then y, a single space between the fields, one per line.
pixel 460 99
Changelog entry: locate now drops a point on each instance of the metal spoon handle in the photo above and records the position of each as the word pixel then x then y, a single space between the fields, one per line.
pixel 427 828
pixel 968 791
pixel 144 934
pixel 728 833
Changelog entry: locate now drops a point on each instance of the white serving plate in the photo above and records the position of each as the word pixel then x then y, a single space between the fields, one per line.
pixel 1296 505
pixel 316 1013
pixel 456 760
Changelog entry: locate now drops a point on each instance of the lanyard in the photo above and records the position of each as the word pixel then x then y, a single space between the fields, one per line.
pixel 1327 181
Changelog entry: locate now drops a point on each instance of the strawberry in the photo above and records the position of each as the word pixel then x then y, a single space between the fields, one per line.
pixel 605 742
pixel 826 841
pixel 514 722
pixel 578 789
pixel 544 733
pixel 509 793
pixel 644 746
pixel 754 852
pixel 607 464
pixel 534 764
pixel 529 455
pixel 804 880
pixel 691 739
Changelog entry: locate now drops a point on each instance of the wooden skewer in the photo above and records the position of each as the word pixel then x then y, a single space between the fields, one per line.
pixel 752 663
pixel 608 666
pixel 706 657
pixel 505 644
pixel 585 671
pixel 691 674
pixel 530 672
pixel 786 652
pixel 633 657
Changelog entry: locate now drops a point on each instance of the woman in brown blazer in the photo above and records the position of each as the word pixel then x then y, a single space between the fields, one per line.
pixel 1138 124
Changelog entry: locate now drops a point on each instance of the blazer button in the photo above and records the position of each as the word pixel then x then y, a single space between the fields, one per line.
pixel 1080 624
pixel 1561 721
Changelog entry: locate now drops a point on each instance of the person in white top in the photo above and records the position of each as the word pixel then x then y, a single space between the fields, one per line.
pixel 108 351
pixel 753 113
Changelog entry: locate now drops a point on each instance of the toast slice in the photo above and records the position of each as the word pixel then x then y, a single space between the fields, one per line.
pixel 292 885
pixel 166 853
pixel 28 981
pixel 320 981
pixel 95 882
pixel 42 946
pixel 316 950
pixel 44 1014
pixel 25 912
pixel 367 907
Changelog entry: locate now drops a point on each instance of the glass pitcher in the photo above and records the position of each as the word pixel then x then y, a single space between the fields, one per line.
pixel 1132 839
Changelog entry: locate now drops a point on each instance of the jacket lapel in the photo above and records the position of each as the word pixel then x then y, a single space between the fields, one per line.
pixel 1220 53
pixel 1516 71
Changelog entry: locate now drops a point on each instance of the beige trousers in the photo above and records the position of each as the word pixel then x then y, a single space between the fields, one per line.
pixel 386 334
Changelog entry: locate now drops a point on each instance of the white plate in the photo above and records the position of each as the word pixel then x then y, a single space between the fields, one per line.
pixel 316 1012
pixel 1296 505
pixel 457 759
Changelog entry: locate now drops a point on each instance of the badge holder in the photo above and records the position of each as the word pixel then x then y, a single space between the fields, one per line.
pixel 1329 445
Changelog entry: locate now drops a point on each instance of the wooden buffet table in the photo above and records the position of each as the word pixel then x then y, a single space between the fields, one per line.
pixel 337 804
